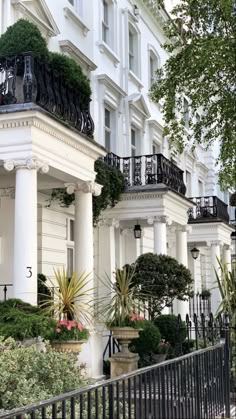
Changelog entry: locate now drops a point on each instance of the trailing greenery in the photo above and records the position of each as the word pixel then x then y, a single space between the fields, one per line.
pixel 24 36
pixel 113 184
pixel 29 376
pixel 20 320
pixel 163 278
pixel 202 67
pixel 43 291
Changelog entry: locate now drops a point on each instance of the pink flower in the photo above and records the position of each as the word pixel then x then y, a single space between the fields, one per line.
pixel 69 327
pixel 58 330
pixel 80 327
pixel 63 322
pixel 71 323
pixel 140 318
pixel 134 317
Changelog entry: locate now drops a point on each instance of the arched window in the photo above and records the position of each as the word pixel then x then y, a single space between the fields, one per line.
pixel 154 64
pixel 134 62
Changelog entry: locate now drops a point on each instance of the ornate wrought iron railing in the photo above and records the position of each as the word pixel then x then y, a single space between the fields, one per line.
pixel 208 208
pixel 25 79
pixel 150 169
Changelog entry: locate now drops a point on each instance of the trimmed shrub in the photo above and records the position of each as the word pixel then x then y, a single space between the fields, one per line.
pixel 28 376
pixel 21 37
pixel 24 36
pixel 149 339
pixel 20 320
pixel 171 330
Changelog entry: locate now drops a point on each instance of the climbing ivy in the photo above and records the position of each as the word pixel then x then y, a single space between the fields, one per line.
pixel 113 186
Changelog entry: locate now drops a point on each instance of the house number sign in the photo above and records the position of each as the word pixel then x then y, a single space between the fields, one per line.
pixel 29 271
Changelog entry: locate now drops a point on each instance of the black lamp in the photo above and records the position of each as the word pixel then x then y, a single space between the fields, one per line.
pixel 195 253
pixel 137 231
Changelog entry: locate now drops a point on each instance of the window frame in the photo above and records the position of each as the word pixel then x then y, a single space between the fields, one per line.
pixel 108 129
pixel 154 56
pixel 134 55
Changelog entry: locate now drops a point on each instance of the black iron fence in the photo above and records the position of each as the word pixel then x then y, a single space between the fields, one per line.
pixel 151 169
pixel 193 386
pixel 24 79
pixel 208 208
pixel 199 304
pixel 5 291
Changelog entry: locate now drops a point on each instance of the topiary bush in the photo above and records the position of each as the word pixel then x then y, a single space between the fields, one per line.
pixel 171 330
pixel 163 278
pixel 24 36
pixel 20 321
pixel 147 344
pixel 28 376
pixel 21 37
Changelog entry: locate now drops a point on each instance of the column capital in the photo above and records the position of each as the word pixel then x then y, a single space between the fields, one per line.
pixel 159 219
pixel 30 163
pixel 184 229
pixel 214 243
pixel 109 222
pixel 228 247
pixel 7 193
pixel 84 186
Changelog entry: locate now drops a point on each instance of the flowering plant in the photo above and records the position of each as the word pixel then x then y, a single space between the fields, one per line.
pixel 163 347
pixel 69 330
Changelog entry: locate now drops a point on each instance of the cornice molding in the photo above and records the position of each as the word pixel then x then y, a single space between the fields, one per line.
pixel 129 196
pixel 38 119
pixel 69 13
pixel 76 53
pixel 110 84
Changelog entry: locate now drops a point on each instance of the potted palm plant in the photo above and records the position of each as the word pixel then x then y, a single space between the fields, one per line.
pixel 119 312
pixel 71 308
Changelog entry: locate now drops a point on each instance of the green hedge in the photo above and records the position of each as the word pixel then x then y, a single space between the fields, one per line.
pixel 171 330
pixel 20 321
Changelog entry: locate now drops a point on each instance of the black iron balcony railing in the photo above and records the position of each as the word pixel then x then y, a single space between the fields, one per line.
pixel 25 79
pixel 207 209
pixel 151 169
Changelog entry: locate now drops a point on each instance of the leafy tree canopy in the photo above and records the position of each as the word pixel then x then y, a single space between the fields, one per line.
pixel 163 278
pixel 202 67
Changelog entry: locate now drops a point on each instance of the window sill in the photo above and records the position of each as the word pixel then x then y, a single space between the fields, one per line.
pixel 104 48
pixel 135 79
pixel 71 14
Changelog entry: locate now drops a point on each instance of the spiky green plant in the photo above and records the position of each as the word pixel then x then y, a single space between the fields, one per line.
pixel 226 282
pixel 121 299
pixel 72 297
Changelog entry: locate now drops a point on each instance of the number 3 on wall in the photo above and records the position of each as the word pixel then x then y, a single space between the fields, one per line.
pixel 29 268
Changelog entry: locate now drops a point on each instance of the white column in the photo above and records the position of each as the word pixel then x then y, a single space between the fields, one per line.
pixel 106 247
pixel 182 307
pixel 227 256
pixel 215 293
pixel 159 231
pixel 25 228
pixel 84 263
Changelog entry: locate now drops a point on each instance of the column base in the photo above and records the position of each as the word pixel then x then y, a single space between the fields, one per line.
pixel 123 363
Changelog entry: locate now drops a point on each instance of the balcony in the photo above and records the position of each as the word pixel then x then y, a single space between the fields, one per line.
pixel 148 170
pixel 25 79
pixel 208 209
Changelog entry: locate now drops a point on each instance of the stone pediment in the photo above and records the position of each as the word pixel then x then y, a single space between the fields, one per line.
pixel 37 12
pixel 137 100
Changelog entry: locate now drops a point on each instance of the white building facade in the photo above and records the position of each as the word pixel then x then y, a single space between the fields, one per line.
pixel 118 45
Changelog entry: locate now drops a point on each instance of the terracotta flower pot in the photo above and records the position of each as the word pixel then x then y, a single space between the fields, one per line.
pixel 74 346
